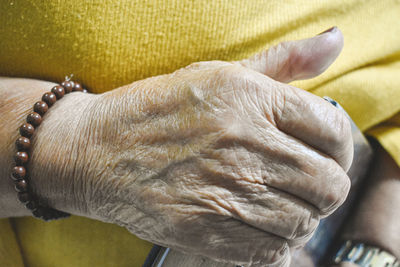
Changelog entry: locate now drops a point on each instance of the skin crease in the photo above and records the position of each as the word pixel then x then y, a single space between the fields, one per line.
pixel 216 159
pixel 375 220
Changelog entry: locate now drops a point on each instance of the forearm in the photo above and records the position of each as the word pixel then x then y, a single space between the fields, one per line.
pixel 49 155
pixel 376 219
pixel 17 97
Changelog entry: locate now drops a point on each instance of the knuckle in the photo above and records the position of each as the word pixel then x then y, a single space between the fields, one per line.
pixel 294 59
pixel 281 257
pixel 341 133
pixel 194 95
pixel 229 133
pixel 305 227
pixel 347 148
pixel 229 72
pixel 283 48
pixel 276 256
pixel 338 137
pixel 337 190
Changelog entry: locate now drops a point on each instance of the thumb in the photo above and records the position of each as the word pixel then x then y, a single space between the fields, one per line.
pixel 297 60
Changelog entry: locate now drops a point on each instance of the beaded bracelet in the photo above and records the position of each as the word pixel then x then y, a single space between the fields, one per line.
pixel 23 144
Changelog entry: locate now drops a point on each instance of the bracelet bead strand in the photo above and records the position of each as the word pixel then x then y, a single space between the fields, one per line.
pixel 19 173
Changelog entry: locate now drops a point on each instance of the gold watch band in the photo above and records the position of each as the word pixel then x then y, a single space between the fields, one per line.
pixel 364 255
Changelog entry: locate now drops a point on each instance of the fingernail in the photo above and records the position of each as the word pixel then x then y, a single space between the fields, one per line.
pixel 330 100
pixel 328 30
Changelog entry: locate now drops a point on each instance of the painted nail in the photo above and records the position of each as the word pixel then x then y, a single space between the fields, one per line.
pixel 328 30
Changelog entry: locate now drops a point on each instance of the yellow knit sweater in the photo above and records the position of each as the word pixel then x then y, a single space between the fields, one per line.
pixel 109 43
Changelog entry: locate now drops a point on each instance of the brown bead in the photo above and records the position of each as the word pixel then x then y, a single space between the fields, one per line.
pixel 18 172
pixel 49 98
pixel 31 205
pixel 68 86
pixel 58 91
pixel 39 212
pixel 35 119
pixel 24 197
pixel 23 144
pixel 77 87
pixel 26 130
pixel 21 158
pixel 21 185
pixel 40 107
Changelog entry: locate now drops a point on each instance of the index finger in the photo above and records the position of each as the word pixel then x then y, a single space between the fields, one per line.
pixel 314 121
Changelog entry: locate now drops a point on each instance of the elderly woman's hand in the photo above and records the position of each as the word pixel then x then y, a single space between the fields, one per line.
pixel 216 159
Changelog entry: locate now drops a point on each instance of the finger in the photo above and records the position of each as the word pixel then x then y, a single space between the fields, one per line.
pixel 287 164
pixel 314 121
pixel 230 240
pixel 244 196
pixel 297 60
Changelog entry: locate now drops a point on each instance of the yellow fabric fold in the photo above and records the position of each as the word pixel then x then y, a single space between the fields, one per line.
pixel 109 43
pixel 388 135
pixel 77 241
pixel 10 254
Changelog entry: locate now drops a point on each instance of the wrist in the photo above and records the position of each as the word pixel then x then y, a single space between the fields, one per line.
pixel 59 151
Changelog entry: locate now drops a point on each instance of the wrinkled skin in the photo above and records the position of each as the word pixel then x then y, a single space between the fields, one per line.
pixel 216 159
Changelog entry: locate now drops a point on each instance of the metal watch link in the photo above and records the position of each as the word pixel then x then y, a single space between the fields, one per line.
pixel 364 255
